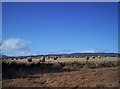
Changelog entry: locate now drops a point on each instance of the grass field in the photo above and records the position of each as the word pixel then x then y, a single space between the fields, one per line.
pixel 105 59
pixel 76 72
pixel 103 77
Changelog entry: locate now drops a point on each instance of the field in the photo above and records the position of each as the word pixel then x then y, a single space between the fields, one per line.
pixel 63 72
pixel 51 60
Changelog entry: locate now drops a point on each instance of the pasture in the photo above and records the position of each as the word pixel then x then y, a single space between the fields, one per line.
pixel 66 60
pixel 62 72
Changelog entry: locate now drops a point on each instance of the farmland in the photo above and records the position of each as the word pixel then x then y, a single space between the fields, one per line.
pixel 66 60
pixel 63 72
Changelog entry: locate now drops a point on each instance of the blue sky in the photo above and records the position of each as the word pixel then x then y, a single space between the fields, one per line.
pixel 43 28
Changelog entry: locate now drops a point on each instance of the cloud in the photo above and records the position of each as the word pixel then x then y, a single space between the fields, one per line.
pixel 15 44
pixel 65 50
pixel 61 51
pixel 54 52
pixel 88 51
pixel 24 53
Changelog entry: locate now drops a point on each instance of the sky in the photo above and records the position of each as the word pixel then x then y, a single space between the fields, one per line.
pixel 59 27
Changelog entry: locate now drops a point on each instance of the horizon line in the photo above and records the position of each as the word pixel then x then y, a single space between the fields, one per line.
pixel 62 53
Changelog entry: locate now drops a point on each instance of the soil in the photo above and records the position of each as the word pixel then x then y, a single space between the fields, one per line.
pixel 80 77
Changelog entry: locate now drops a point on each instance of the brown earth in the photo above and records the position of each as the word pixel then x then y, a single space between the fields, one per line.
pixel 81 77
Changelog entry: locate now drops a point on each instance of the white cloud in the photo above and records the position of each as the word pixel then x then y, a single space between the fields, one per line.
pixel 66 50
pixel 53 52
pixel 26 53
pixel 23 53
pixel 60 51
pixel 15 44
pixel 88 51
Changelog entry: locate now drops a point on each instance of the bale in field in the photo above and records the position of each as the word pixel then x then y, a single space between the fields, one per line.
pixel 59 57
pixel 29 59
pixel 93 57
pixel 87 58
pixel 51 57
pixel 21 57
pixel 105 56
pixel 55 58
pixel 16 58
pixel 48 57
pixel 12 58
pixel 77 57
pixel 68 56
pixel 42 60
pixel 99 56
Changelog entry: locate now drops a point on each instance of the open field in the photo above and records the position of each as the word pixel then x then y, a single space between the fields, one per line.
pixel 51 60
pixel 103 77
pixel 63 72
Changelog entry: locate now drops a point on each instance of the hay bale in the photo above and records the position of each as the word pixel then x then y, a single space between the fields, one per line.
pixel 55 58
pixel 42 60
pixel 29 59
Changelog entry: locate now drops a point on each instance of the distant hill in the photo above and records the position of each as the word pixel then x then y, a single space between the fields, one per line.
pixel 4 56
pixel 93 54
pixel 72 54
pixel 82 54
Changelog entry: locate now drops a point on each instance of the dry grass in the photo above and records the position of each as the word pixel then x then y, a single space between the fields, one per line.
pixel 105 59
pixel 103 77
pixel 76 76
